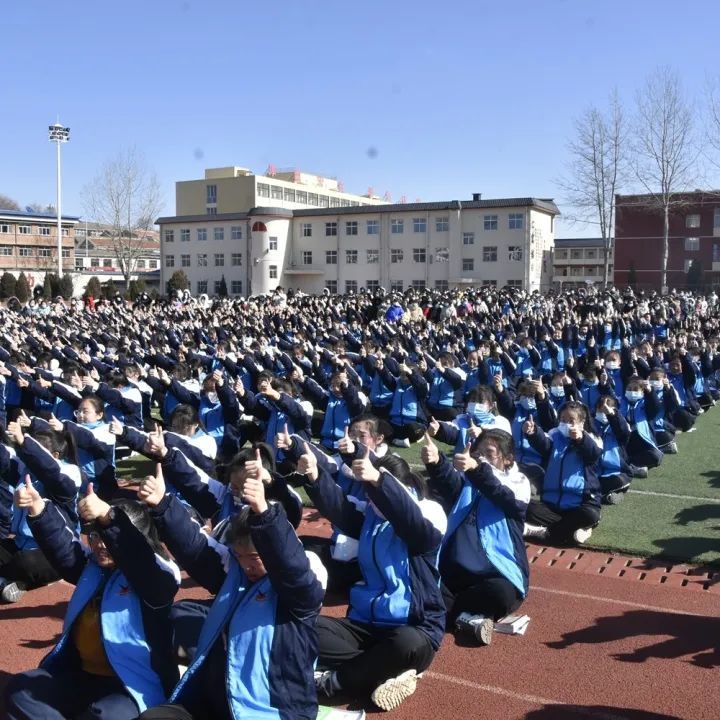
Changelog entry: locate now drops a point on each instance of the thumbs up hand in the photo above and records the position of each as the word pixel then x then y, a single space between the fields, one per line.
pixel 429 453
pixel 474 431
pixel 345 445
pixel 283 441
pixel 53 422
pixel 254 468
pixel 254 493
pixel 463 460
pixel 155 444
pixel 307 464
pixel 364 470
pixel 91 507
pixel 529 426
pixel 28 498
pixel 152 488
pixel 24 421
pixel 433 427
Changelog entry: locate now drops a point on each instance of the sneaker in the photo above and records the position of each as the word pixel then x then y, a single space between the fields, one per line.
pixel 613 498
pixel 13 591
pixel 395 690
pixel 480 626
pixel 701 412
pixel 582 535
pixel 671 448
pixel 639 471
pixel 325 682
pixel 692 429
pixel 535 531
pixel 401 442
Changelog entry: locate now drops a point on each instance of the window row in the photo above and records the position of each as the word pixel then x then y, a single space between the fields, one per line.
pixel 351 286
pixel 236 287
pixel 31 251
pixel 202 260
pixel 419 255
pixel 303 197
pixel 7 228
pixel 201 234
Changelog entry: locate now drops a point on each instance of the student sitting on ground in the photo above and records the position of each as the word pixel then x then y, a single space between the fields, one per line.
pixel 615 472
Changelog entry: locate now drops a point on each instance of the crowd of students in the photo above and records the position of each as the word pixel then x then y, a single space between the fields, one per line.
pixel 532 411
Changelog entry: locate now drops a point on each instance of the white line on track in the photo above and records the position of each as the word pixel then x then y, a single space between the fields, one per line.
pixel 626 603
pixel 523 697
pixel 670 495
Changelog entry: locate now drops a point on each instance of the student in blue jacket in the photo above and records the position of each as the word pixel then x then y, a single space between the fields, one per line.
pixel 410 390
pixel 115 657
pixel 396 618
pixel 614 471
pixel 570 503
pixel 258 645
pixel 483 562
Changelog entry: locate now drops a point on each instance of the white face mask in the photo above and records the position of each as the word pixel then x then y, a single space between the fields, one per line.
pixel 656 384
pixel 601 418
pixel 557 391
pixel 212 398
pixel 612 365
pixel 564 428
pixel 633 395
pixel 528 403
pixel 478 408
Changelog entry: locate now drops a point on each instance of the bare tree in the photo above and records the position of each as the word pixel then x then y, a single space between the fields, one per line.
pixel 125 196
pixel 7 203
pixel 666 153
pixel 596 170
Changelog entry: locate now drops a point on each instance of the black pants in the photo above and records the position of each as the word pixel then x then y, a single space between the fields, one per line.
pixel 535 474
pixel 493 596
pixel 167 712
pixel 381 411
pixel 443 413
pixel 683 420
pixel 40 695
pixel 663 438
pixel 614 483
pixel 642 453
pixel 412 430
pixel 561 524
pixel 365 656
pixel 28 566
pixel 341 575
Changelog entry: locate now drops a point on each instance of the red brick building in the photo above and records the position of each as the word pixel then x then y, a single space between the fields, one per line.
pixel 694 236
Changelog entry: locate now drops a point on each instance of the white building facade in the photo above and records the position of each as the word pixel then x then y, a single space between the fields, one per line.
pixel 310 236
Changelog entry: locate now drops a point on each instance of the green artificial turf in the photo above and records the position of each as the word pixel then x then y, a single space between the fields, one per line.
pixel 676 528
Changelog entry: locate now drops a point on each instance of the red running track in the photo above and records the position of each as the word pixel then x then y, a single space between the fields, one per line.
pixel 598 646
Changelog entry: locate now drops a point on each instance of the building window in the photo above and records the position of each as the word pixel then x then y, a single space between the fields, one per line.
pixel 351 227
pixel 217 285
pixel 490 253
pixel 515 221
pixel 590 254
pixel 489 283
pixel 692 221
pixel 44 252
pixel 44 230
pixel 201 287
pixel 169 236
pixel 276 193
pixel 334 202
pixel 4 228
pixel 331 257
pixel 441 285
pixel 263 190
pixel 590 270
pixel 351 257
pixel 396 255
pixel 307 229
pixel 576 254
pixel 330 229
pixel 418 284
pixel 184 261
pixel 272 243
pixel 236 232
pixel 301 196
pixel 515 253
pixel 153 264
pixel 442 255
pixel 561 254
pixel 716 252
pixel 350 287
pixel 515 283
pixel 211 210
pixel 419 225
pixel 468 238
pixel 716 219
pixel 692 244
pixel 185 235
pixel 219 233
pixel 397 227
pixel 107 262
pixel 442 224
pixel 372 285
pixel 331 286
pixel 79 265
pixel 24 229
pixel 373 227
pixel 313 199
pixel 202 259
pixel 273 272
pixel 219 259
pixel 490 222
pixel 140 265
pixel 307 257
pixel 396 286
pixel 324 201
pixel 5 251
pixel 236 259
pixel 373 257
pixel 419 255
pixel 169 261
pixel 236 287
pixel 211 195
pixel 289 195
pixel 202 234
pixel 468 265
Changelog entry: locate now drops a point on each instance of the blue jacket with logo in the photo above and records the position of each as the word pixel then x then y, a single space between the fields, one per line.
pixel 135 602
pixel 269 625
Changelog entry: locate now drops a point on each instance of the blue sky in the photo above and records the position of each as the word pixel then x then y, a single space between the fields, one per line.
pixel 423 99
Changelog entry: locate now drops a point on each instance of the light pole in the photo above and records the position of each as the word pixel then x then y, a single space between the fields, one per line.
pixel 58 135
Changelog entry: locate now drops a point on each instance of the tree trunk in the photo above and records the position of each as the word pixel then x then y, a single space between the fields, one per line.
pixel 666 233
pixel 607 262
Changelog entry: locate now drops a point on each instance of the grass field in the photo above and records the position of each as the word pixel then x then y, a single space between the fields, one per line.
pixel 673 514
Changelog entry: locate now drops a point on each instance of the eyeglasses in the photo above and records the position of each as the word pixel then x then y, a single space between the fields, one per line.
pixel 95 537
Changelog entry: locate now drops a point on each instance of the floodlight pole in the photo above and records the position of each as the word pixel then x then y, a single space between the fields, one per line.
pixel 58 135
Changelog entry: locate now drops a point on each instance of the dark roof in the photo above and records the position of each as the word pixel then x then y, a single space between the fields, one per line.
pixel 579 242
pixel 36 216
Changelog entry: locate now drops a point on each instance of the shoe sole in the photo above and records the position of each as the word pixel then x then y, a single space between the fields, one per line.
pixel 614 498
pixel 484 631
pixel 395 691
pixel 11 593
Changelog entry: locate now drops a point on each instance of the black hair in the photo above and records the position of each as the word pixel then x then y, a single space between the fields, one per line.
pixel 399 469
pixel 481 393
pixel 239 528
pixel 182 418
pixel 267 457
pixel 97 403
pixel 139 516
pixel 503 440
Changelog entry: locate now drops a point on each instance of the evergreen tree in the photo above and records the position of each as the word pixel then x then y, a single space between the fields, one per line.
pixel 109 290
pixel 632 276
pixel 66 286
pixel 8 282
pixel 22 289
pixel 694 275
pixel 178 281
pixel 94 288
pixel 223 291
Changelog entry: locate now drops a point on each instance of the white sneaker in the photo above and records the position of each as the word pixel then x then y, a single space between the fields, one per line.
pixel 692 429
pixel 324 682
pixel 13 591
pixel 535 531
pixel 582 535
pixel 395 690
pixel 401 442
pixel 480 626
